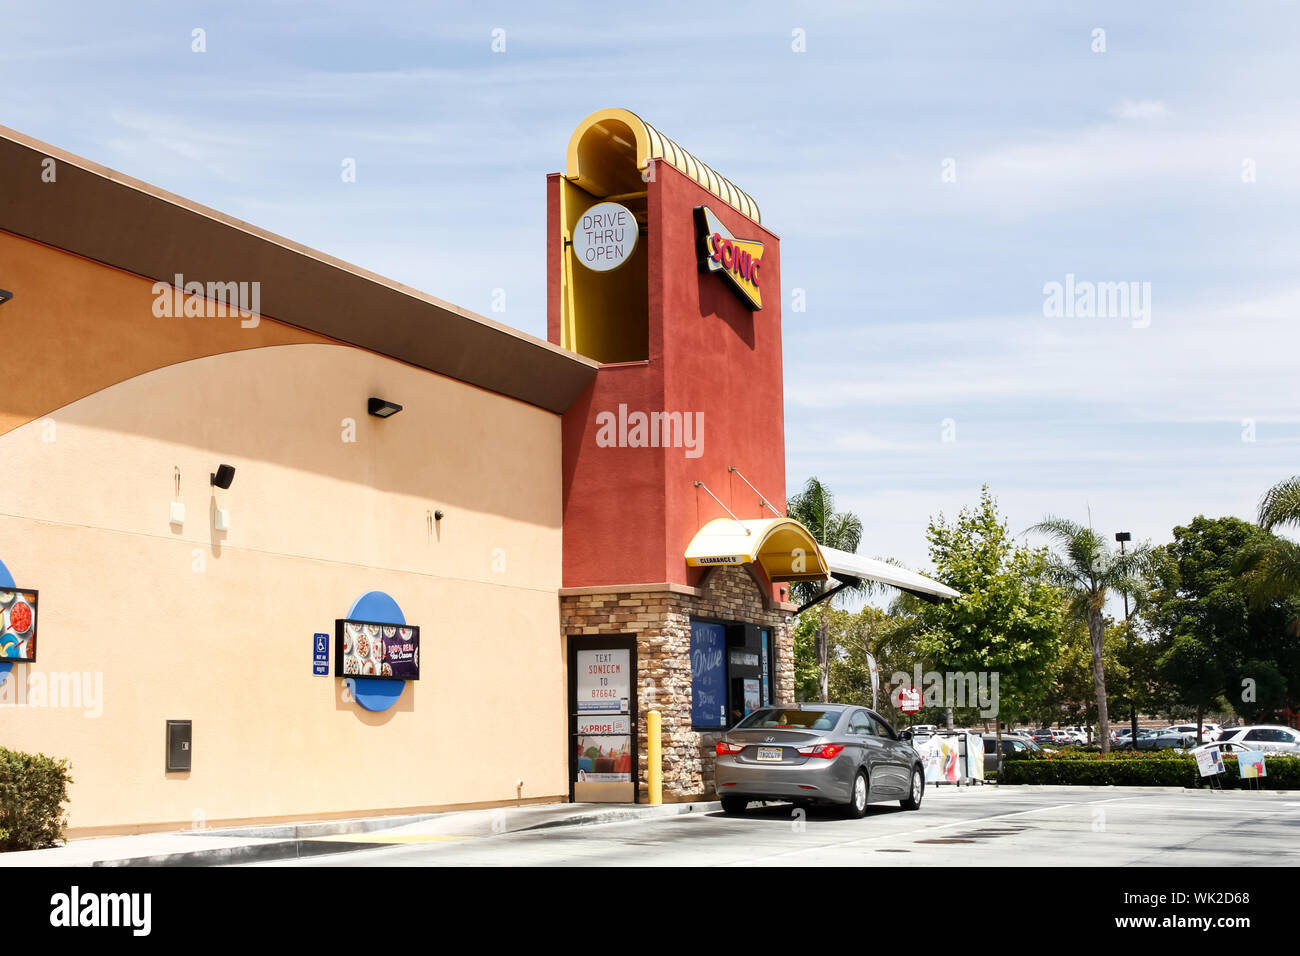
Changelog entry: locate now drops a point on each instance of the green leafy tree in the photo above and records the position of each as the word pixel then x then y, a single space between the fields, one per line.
pixel 1271 565
pixel 1072 696
pixel 888 637
pixel 1089 571
pixel 1007 619
pixel 1131 670
pixel 1217 637
pixel 814 508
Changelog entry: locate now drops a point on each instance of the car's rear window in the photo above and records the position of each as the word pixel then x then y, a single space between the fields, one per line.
pixel 773 717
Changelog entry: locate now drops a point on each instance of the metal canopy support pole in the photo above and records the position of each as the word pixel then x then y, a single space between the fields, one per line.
pixel 844 583
pixel 700 484
pixel 762 502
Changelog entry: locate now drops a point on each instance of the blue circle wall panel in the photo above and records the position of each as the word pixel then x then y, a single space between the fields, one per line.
pixel 6 581
pixel 371 693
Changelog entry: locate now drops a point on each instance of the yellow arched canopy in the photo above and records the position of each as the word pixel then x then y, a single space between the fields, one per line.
pixel 782 547
pixel 611 148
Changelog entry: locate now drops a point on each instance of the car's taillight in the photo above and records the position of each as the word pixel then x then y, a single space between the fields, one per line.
pixel 725 748
pixel 825 751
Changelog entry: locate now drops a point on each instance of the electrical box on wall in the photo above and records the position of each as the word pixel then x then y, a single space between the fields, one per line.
pixel 222 519
pixel 180 735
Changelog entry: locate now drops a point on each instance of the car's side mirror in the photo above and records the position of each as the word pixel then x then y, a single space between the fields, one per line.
pixel 904 735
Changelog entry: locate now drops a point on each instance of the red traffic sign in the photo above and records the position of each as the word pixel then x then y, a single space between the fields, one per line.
pixel 909 700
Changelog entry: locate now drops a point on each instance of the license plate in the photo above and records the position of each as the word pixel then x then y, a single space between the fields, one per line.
pixel 769 753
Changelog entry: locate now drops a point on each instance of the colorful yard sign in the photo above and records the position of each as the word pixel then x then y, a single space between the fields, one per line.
pixel 975 756
pixel 1209 762
pixel 1251 764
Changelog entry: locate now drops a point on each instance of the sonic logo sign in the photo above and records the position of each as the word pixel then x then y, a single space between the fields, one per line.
pixel 737 259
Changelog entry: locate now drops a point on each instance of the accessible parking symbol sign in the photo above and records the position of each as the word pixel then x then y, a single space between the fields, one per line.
pixel 320 655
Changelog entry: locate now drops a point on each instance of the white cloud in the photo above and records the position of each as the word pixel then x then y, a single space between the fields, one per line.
pixel 1141 109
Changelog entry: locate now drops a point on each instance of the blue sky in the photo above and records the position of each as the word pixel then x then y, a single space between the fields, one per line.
pixel 924 297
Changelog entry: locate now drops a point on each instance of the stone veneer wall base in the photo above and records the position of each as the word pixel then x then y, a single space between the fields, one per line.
pixel 659 617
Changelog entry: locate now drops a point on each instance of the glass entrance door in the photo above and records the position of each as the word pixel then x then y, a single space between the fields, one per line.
pixel 603 758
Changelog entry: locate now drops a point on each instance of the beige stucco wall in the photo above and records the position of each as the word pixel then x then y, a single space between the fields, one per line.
pixel 216 627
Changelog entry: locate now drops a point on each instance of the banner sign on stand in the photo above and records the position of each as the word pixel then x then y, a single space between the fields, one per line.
pixel 1209 762
pixel 1250 763
pixel 975 757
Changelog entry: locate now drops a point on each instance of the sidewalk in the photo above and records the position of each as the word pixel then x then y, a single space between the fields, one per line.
pixel 288 841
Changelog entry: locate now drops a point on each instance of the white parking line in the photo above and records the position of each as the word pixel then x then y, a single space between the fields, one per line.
pixel 1221 808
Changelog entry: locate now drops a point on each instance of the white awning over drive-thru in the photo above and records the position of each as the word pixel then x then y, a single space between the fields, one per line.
pixel 843 564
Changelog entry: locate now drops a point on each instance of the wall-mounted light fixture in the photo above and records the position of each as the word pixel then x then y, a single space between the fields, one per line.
pixel 5 296
pixel 223 476
pixel 382 409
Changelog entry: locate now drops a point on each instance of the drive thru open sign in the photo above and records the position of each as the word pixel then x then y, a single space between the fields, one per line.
pixel 909 700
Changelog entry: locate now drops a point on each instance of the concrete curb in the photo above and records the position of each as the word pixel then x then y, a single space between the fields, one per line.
pixel 624 814
pixel 305 831
pixel 292 841
pixel 232 855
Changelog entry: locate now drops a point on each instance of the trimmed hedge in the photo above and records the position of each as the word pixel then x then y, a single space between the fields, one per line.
pixel 1144 769
pixel 33 789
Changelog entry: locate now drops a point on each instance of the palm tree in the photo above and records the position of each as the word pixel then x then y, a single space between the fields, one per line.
pixel 814 508
pixel 1272 568
pixel 1088 570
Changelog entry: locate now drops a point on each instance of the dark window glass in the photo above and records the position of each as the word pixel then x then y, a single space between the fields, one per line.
pixel 883 727
pixel 769 666
pixel 778 718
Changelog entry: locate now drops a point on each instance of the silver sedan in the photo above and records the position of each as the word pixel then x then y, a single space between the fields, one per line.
pixel 817 753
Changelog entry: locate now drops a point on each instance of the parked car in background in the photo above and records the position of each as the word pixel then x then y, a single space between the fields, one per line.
pixel 920 729
pixel 1078 735
pixel 1011 744
pixel 817 753
pixel 1278 737
pixel 1209 732
pixel 1234 748
pixel 1157 739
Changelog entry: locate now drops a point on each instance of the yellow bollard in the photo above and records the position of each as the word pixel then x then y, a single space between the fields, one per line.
pixel 654 756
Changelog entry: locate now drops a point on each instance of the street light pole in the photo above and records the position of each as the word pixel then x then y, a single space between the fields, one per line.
pixel 1122 537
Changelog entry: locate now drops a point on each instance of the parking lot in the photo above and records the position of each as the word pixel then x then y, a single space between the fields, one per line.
pixel 987 826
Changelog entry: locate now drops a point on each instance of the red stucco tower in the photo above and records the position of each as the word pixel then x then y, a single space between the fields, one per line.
pixel 660 269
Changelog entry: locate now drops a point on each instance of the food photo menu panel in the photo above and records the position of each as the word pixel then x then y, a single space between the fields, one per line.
pixel 370 649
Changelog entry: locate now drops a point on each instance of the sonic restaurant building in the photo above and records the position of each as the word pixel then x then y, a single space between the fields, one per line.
pixel 283 539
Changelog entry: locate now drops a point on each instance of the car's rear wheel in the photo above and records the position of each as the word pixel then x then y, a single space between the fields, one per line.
pixel 857 805
pixel 913 801
pixel 734 805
